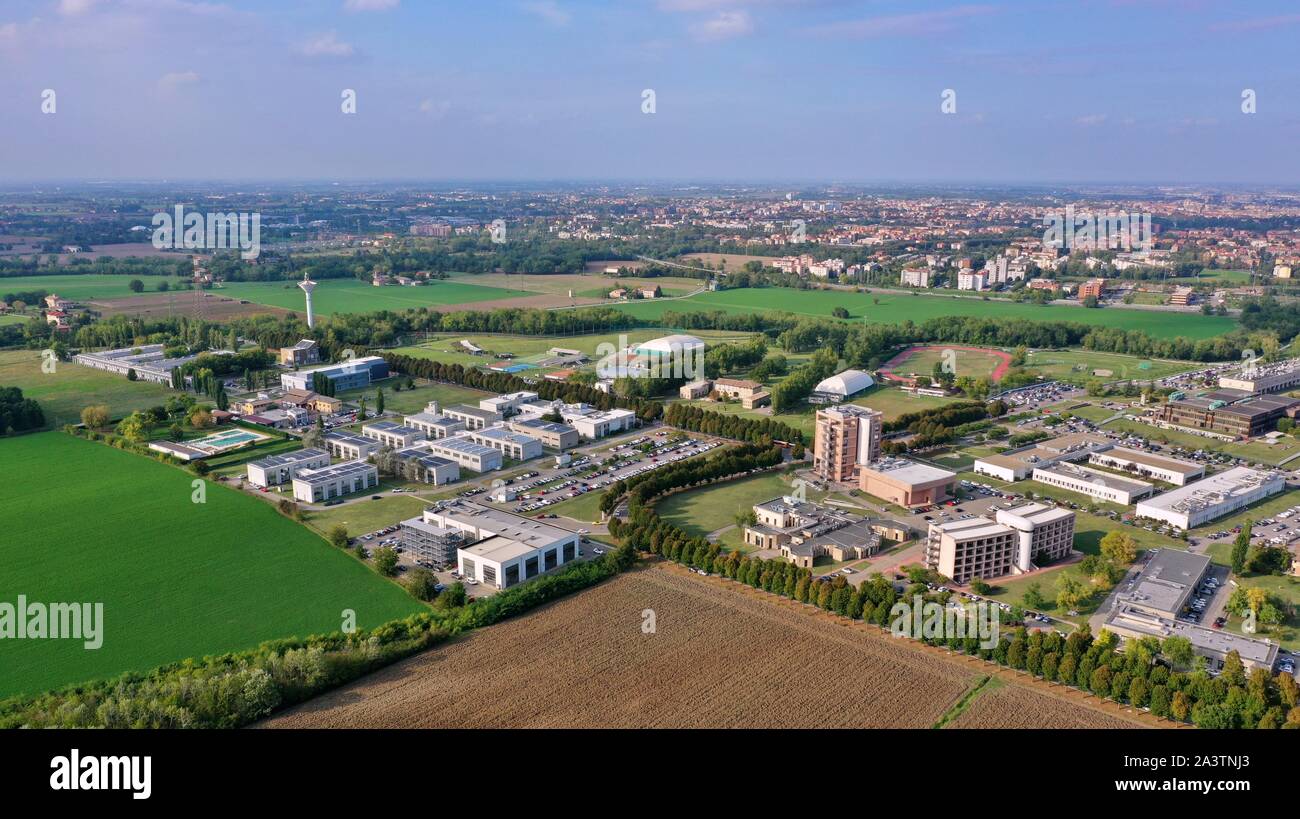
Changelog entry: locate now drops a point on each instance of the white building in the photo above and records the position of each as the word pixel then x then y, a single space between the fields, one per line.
pixel 473 417
pixel 1045 533
pixel 508 404
pixel 1094 483
pixel 503 549
pixel 393 434
pixel 418 464
pixel 846 384
pixel 1205 500
pixel 318 485
pixel 348 446
pixel 968 279
pixel 467 452
pixel 916 276
pixel 514 445
pixel 591 423
pixel 148 361
pixel 434 425
pixel 278 469
pixel 1159 467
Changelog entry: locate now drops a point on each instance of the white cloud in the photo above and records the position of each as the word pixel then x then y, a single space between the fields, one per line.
pixel 435 108
pixel 548 10
pixel 76 8
pixel 919 24
pixel 725 25
pixel 1089 120
pixel 326 46
pixel 175 79
pixel 371 5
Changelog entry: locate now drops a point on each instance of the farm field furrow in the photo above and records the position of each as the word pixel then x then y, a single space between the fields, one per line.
pixel 719 657
pixel 1013 706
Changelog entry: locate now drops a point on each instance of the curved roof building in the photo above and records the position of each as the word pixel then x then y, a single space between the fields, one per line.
pixel 847 383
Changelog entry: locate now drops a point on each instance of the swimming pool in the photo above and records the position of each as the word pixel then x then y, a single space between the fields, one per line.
pixel 224 440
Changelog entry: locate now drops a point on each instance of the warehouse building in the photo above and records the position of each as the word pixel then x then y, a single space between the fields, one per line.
pixel 279 469
pixel 1094 483
pixel 503 549
pixel 350 375
pixel 510 444
pixel 349 446
pixel 392 434
pixel 1205 500
pixel 553 435
pixel 906 483
pixel 466 452
pixel 330 482
pixel 1284 375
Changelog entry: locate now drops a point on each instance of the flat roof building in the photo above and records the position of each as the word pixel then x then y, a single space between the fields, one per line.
pixel 392 434
pixel 1225 415
pixel 551 434
pixel 1094 483
pixel 305 351
pixel 472 417
pixel 1147 465
pixel 963 550
pixel 508 404
pixel 503 549
pixel 845 437
pixel 353 374
pixel 906 483
pixel 349 446
pixel 1278 377
pixel 419 465
pixel 278 469
pixel 433 424
pixel 327 483
pixel 510 444
pixel 1018 464
pixel 467 452
pixel 429 543
pixel 148 360
pixel 1205 500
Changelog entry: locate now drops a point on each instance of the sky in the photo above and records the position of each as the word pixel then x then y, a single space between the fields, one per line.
pixel 1107 91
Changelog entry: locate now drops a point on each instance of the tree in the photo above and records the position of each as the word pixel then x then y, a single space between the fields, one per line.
pixel 1119 548
pixel 136 286
pixel 1033 596
pixel 379 402
pixel 840 313
pixel 200 418
pixel 338 536
pixel 361 409
pixel 135 427
pixel 131 374
pixel 95 416
pixel 1070 592
pixel 452 597
pixel 421 584
pixel 1178 650
pixel 1241 548
pixel 386 561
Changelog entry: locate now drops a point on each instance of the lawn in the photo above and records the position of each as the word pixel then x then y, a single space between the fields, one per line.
pixel 72 387
pixel 1080 366
pixel 893 308
pixel 176 579
pixel 353 296
pixel 705 510
pixel 409 402
pixel 964 362
pixel 893 402
pixel 585 508
pixel 362 516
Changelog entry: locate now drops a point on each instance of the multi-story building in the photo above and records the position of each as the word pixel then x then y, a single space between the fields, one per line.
pixel 148 361
pixel 327 483
pixel 278 469
pixel 1227 414
pixel 417 464
pixel 434 425
pixel 502 549
pixel 301 354
pixel 968 279
pixel 392 434
pixel 551 434
pixel 508 404
pixel 916 276
pixel 1045 534
pixel 1092 287
pixel 473 417
pixel 467 452
pixel 1278 377
pixel 1094 483
pixel 354 374
pixel 349 446
pixel 846 437
pixel 1205 500
pixel 510 444
pixel 962 550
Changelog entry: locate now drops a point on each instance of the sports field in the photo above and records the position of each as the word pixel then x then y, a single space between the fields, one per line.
pixel 448 349
pixel 895 308
pixel 72 387
pixel 974 362
pixel 177 579
pixel 352 296
pixel 1079 366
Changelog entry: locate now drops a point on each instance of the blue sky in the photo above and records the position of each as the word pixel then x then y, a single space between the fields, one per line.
pixel 1134 91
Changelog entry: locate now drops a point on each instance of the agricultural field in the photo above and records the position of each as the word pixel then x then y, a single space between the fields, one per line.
pixel 72 387
pixel 722 656
pixel 176 578
pixel 894 308
pixel 1015 706
pixel 353 296
pixel 88 286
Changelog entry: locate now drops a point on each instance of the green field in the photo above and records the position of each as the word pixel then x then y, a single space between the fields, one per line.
pixel 87 287
pixel 585 508
pixel 89 523
pixel 896 308
pixel 1079 366
pixel 966 363
pixel 352 296
pixel 705 510
pixel 72 387
pixel 893 402
pixel 409 402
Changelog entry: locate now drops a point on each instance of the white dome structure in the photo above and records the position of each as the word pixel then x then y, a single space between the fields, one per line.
pixel 846 384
